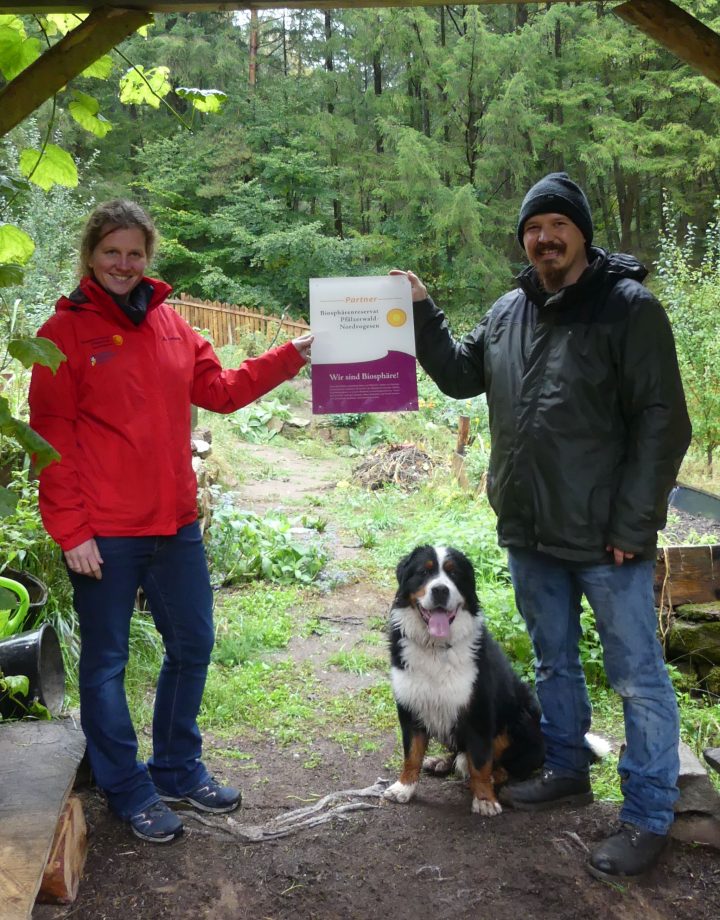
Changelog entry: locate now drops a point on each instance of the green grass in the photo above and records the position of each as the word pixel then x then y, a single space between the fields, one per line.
pixel 356 661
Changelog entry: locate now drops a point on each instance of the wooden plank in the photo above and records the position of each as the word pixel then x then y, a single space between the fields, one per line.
pixel 682 34
pixel 687 575
pixel 173 6
pixel 39 761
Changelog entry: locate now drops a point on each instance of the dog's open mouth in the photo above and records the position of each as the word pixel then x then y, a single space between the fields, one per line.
pixel 439 620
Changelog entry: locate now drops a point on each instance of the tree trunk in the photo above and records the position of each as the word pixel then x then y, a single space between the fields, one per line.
pixel 253 50
pixel 330 67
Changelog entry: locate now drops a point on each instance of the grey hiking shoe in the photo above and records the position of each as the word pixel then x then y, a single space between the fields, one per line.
pixel 156 824
pixel 209 796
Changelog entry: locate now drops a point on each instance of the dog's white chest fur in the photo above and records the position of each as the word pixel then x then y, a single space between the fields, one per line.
pixel 437 680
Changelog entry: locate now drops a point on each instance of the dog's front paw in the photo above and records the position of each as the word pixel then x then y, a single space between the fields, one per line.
pixel 400 792
pixel 486 808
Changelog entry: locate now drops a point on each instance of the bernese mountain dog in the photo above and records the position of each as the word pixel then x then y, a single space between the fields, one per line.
pixel 453 682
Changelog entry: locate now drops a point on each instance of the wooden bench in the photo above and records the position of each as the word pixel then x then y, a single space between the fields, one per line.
pixel 40 825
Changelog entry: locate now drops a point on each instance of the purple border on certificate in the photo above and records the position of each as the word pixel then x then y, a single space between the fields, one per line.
pixel 388 384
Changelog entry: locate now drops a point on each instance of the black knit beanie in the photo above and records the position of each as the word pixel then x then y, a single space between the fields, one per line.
pixel 556 193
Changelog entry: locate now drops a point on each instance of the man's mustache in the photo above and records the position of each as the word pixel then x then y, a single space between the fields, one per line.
pixel 542 248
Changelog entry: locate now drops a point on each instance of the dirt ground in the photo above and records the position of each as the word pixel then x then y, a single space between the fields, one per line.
pixel 431 858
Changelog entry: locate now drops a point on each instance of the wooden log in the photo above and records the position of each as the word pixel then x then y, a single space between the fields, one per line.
pixel 61 879
pixel 687 575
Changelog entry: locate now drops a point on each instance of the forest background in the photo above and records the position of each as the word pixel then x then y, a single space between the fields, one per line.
pixel 347 142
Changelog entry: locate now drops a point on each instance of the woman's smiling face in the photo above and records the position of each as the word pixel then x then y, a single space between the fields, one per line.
pixel 119 260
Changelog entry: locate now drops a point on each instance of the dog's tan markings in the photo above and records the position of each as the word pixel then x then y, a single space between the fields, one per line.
pixel 481 785
pixel 500 744
pixel 416 595
pixel 413 762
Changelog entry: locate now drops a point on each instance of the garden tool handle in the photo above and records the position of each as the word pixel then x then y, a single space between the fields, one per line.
pixel 23 607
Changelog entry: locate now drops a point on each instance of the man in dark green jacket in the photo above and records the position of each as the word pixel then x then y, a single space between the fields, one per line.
pixel 588 428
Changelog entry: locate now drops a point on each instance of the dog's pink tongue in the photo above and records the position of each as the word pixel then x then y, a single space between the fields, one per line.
pixel 439 624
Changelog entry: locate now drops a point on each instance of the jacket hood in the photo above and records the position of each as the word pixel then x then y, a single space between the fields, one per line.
pixel 605 269
pixel 89 295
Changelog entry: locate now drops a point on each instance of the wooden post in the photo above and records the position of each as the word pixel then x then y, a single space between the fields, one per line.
pixel 688 38
pixel 63 870
pixel 458 460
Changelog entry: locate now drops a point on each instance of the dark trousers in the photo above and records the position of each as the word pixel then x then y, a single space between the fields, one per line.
pixel 172 571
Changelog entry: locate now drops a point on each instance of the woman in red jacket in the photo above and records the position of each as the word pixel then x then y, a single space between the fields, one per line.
pixel 121 503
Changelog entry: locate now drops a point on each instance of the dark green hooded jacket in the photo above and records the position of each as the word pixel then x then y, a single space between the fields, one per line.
pixel 587 413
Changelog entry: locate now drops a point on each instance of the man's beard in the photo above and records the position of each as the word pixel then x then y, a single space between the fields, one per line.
pixel 552 277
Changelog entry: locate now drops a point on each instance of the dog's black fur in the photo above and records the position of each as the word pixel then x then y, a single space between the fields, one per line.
pixel 453 682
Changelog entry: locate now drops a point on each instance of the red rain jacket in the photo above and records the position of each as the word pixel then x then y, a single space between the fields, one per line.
pixel 118 413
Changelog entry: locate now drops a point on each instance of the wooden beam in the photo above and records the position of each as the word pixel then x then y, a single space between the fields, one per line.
pixel 189 6
pixel 96 35
pixel 687 37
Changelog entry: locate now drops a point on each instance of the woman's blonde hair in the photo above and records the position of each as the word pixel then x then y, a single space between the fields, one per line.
pixel 118 214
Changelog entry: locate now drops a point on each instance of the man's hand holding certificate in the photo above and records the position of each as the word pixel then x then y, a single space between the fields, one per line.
pixel 364 348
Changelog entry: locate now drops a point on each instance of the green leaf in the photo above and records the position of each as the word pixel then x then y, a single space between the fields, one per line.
pixel 204 100
pixel 84 109
pixel 54 166
pixel 28 439
pixel 15 245
pixel 36 350
pixel 144 87
pixel 100 69
pixel 16 684
pixel 8 600
pixel 16 51
pixel 10 275
pixel 8 502
pixel 66 22
pixel 10 187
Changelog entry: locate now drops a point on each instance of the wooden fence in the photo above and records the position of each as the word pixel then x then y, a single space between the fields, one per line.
pixel 226 323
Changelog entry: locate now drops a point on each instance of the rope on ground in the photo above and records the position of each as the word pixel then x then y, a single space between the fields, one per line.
pixel 333 805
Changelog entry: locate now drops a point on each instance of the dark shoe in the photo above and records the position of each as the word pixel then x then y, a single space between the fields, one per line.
pixel 157 824
pixel 210 797
pixel 547 791
pixel 630 851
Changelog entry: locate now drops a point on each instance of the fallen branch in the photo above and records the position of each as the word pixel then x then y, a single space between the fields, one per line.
pixel 333 805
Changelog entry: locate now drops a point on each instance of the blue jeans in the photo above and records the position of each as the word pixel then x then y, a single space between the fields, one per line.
pixel 172 572
pixel 548 595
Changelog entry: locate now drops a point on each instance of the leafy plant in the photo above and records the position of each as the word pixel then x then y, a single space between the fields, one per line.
pixel 243 547
pixel 251 423
pixel 15 689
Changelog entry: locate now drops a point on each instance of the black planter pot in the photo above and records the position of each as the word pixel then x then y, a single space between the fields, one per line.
pixel 37 656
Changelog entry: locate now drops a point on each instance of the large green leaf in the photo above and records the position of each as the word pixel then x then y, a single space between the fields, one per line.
pixel 8 502
pixel 64 22
pixel 54 166
pixel 16 51
pixel 10 275
pixel 204 100
pixel 15 245
pixel 85 110
pixel 31 442
pixel 36 350
pixel 144 87
pixel 100 69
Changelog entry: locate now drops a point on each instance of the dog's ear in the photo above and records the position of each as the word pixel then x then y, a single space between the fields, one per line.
pixel 403 566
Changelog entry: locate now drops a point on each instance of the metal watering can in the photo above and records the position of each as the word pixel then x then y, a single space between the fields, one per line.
pixel 11 621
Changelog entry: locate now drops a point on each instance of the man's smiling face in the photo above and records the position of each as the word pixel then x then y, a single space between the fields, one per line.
pixel 556 248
